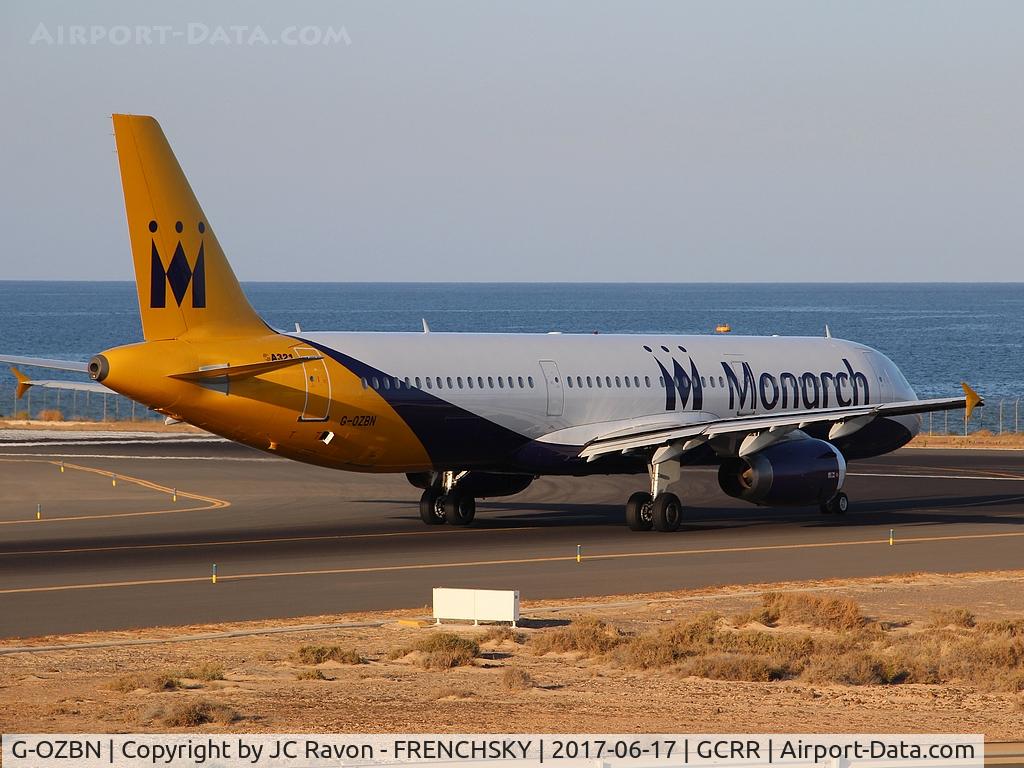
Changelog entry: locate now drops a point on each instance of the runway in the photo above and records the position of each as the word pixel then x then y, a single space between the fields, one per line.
pixel 129 531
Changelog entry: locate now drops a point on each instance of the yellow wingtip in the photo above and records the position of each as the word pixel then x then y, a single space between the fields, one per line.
pixel 23 382
pixel 972 398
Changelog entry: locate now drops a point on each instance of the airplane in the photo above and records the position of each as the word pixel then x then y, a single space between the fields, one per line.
pixel 479 415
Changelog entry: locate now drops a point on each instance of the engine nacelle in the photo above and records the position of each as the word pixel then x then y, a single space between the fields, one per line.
pixel 480 485
pixel 793 473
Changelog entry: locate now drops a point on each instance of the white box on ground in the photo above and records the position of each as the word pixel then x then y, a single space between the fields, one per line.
pixel 476 605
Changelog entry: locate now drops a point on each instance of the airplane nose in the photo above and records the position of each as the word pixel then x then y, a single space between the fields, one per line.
pixel 98 368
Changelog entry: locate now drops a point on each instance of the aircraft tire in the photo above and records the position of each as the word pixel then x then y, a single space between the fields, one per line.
pixel 459 508
pixel 637 518
pixel 667 513
pixel 430 508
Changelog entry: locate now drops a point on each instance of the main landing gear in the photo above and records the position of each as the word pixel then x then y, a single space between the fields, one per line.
pixel 660 510
pixel 443 502
pixel 837 505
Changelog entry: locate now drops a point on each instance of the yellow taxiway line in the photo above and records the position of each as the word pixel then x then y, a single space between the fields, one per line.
pixel 209 502
pixel 511 561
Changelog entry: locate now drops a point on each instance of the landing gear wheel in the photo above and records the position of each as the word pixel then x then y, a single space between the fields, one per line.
pixel 667 512
pixel 459 509
pixel 432 507
pixel 638 512
pixel 837 505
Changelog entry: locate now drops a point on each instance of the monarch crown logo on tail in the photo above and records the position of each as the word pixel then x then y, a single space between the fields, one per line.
pixel 179 274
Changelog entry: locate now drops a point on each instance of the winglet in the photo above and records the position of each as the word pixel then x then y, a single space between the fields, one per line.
pixel 973 399
pixel 23 382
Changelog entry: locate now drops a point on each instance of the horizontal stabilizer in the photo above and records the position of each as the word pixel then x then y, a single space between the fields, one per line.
pixel 24 383
pixel 241 371
pixel 45 362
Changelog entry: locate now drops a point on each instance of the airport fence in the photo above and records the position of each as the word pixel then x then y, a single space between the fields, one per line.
pixel 1000 415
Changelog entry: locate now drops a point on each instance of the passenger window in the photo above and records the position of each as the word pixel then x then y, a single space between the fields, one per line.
pixel 590 383
pixel 568 380
pixel 625 380
pixel 598 380
pixel 438 382
pixel 429 386
pixel 458 380
pixel 387 383
pixel 608 381
pixel 469 382
pixel 511 383
pixel 721 381
pixel 618 383
pixel 501 382
pixel 490 382
pixel 408 383
pixel 521 382
pixel 398 383
pixel 636 382
pixel 661 381
pixel 712 382
pixel 480 381
pixel 449 380
pixel 419 384
pixel 366 384
pixel 529 379
pixel 376 383
pixel 703 382
pixel 647 381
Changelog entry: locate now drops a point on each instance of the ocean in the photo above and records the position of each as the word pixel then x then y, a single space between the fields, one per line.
pixel 938 333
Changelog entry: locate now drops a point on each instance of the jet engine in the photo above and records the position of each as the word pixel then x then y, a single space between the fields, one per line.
pixel 793 473
pixel 480 485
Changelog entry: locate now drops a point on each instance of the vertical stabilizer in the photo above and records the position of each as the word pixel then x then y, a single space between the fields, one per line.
pixel 185 284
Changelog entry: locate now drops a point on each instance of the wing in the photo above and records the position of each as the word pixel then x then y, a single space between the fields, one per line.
pixel 762 430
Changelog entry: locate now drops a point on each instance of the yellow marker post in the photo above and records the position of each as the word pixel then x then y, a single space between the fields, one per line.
pixel 892 539
pixel 62 467
pixel 39 511
pixel 579 553
pixel 174 495
pixel 213 578
pixel 113 480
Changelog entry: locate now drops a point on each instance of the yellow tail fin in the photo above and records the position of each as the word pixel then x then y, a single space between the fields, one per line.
pixel 184 281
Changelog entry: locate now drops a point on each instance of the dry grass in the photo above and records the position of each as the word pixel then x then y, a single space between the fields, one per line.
pixel 443 650
pixel 587 636
pixel 812 638
pixel 517 679
pixel 501 635
pixel 318 654
pixel 160 681
pixel 311 674
pixel 952 617
pixel 207 671
pixel 190 714
pixel 801 608
pixel 51 414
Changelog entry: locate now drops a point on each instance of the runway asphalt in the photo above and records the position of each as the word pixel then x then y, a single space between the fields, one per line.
pixel 113 549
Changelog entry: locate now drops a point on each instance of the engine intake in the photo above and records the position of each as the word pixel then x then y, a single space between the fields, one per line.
pixel 794 473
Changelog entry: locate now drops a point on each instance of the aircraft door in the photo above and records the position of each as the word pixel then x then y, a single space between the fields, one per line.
pixel 556 395
pixel 317 405
pixel 880 382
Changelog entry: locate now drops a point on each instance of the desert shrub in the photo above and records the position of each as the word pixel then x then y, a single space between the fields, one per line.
pixel 835 613
pixel 441 651
pixel 516 679
pixel 189 714
pixel 1011 627
pixel 500 635
pixel 733 666
pixel 159 681
pixel 589 636
pixel 50 414
pixel 318 654
pixel 310 674
pixel 208 670
pixel 952 617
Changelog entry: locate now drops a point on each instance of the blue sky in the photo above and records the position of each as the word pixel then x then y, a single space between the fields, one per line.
pixel 510 141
